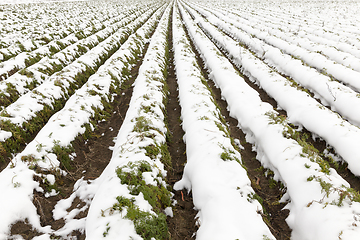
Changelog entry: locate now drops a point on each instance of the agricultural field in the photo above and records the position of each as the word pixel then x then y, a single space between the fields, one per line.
pixel 180 120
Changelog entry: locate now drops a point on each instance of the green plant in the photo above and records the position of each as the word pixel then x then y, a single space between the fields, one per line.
pixel 253 196
pixel 32 60
pixel 223 128
pixel 308 150
pixel 49 187
pixel 11 95
pixel 131 174
pixel 142 124
pixel 275 119
pixel 153 152
pixel 62 154
pixel 266 237
pixel 15 184
pixel 107 230
pixel 26 73
pixel 272 183
pixel 147 225
pixel 229 155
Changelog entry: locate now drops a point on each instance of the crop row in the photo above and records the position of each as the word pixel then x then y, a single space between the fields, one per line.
pixel 313 23
pixel 140 158
pixel 302 109
pixel 61 96
pixel 48 156
pixel 29 78
pixel 317 194
pixel 348 55
pixel 20 59
pixel 31 111
pixel 29 26
pixel 25 28
pixel 213 163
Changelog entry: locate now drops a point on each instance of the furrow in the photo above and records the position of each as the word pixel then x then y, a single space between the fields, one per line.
pixel 314 190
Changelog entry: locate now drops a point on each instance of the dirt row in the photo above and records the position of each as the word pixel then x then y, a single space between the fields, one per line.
pixel 318 143
pixel 261 181
pixel 93 154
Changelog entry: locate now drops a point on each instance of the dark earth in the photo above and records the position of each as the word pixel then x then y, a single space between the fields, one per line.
pixel 93 155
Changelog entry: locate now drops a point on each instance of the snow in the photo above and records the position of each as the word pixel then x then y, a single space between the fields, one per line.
pixel 128 149
pixel 283 156
pixel 17 185
pixel 34 1
pixel 220 188
pixel 62 128
pixel 321 54
pixel 301 108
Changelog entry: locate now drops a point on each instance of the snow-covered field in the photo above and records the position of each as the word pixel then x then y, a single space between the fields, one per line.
pixel 289 72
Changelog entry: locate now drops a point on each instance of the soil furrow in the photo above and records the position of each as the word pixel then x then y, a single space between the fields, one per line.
pixel 268 189
pixel 182 226
pixel 28 130
pixel 92 156
pixel 318 143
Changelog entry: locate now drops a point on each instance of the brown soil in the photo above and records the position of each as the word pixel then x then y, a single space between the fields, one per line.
pixel 92 156
pixel 274 215
pixel 268 190
pixel 182 225
pixel 24 229
pixel 342 169
pixel 271 196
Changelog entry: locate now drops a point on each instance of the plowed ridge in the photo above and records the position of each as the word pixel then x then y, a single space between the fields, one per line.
pixel 81 77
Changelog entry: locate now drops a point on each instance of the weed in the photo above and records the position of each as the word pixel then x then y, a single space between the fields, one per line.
pixel 32 84
pixel 158 196
pixel 32 60
pixel 3 152
pixel 308 150
pixel 147 109
pixel 92 92
pixel 228 155
pixel 343 192
pixel 309 179
pixel 31 160
pixel 153 151
pixel 223 128
pixel 204 118
pixel 272 183
pixel 62 154
pixel 26 73
pixel 147 225
pixel 142 124
pixel 55 67
pixel 107 230
pixel 266 237
pixel 254 196
pixel 15 184
pixel 275 119
pixel 49 187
